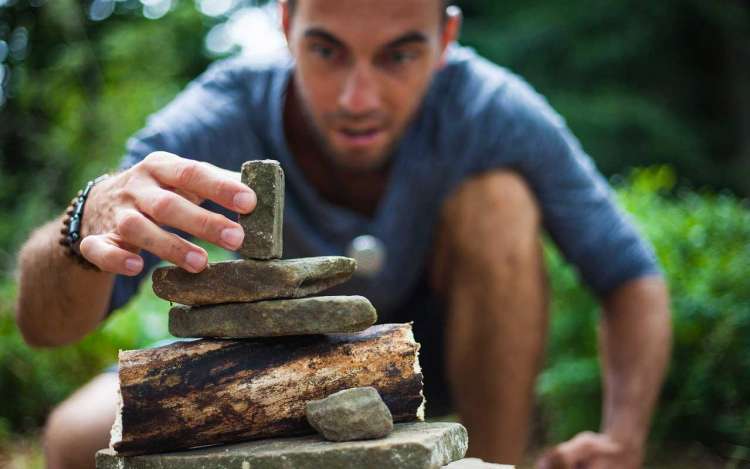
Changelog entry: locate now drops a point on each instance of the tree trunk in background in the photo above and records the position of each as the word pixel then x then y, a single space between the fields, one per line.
pixel 741 78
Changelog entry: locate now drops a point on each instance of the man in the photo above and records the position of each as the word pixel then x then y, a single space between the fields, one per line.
pixel 383 128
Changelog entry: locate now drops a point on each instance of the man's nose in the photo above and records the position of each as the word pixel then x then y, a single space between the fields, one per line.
pixel 360 94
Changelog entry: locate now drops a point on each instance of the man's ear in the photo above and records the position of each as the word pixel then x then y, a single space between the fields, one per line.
pixel 285 18
pixel 451 29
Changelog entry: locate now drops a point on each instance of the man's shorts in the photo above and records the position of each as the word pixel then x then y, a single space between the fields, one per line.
pixel 428 313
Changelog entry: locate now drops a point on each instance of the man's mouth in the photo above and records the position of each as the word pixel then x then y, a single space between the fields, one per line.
pixel 360 136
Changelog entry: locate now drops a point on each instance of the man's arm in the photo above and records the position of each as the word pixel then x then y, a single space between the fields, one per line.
pixel 60 302
pixel 635 345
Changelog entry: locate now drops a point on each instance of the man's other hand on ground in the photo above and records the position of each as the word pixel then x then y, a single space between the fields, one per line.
pixel 589 450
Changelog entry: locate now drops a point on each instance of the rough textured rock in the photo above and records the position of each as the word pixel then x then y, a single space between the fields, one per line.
pixel 351 414
pixel 317 315
pixel 248 280
pixel 411 446
pixel 209 391
pixel 475 463
pixel 263 235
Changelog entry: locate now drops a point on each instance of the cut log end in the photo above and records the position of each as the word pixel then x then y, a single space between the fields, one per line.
pixel 115 435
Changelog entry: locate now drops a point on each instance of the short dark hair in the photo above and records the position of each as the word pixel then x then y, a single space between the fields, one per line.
pixel 293 3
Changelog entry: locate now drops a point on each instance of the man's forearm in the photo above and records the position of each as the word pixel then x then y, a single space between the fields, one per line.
pixel 58 301
pixel 636 342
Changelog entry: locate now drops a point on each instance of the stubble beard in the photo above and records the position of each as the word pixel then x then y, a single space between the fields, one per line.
pixel 329 152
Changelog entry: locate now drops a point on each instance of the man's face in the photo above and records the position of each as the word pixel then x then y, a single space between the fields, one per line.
pixel 362 69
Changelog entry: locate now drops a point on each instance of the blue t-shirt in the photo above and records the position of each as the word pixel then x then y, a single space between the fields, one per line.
pixel 476 116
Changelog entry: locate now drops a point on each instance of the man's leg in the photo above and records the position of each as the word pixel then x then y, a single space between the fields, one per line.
pixel 79 427
pixel 488 267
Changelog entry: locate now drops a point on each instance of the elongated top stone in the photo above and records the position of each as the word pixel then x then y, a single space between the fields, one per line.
pixel 248 280
pixel 416 445
pixel 351 414
pixel 302 316
pixel 263 226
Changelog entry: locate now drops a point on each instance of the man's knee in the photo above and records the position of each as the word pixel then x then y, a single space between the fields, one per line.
pixel 60 435
pixel 79 426
pixel 491 221
pixel 56 437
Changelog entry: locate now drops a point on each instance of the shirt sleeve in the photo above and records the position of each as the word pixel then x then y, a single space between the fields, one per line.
pixel 578 206
pixel 207 121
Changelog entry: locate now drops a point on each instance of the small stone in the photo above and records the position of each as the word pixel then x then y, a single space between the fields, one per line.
pixel 475 463
pixel 351 414
pixel 248 280
pixel 263 226
pixel 304 316
pixel 417 445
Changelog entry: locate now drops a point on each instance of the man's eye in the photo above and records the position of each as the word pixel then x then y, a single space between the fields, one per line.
pixel 400 57
pixel 325 52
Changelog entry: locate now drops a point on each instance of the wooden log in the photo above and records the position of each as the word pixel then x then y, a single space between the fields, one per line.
pixel 205 392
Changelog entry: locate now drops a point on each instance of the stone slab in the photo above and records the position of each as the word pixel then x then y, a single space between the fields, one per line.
pixel 249 280
pixel 417 445
pixel 274 318
pixel 263 226
pixel 350 414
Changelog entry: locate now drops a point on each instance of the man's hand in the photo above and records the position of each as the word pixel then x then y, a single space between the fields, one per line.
pixel 125 213
pixel 590 450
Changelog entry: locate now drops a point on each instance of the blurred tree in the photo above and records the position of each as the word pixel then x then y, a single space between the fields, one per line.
pixel 74 90
pixel 639 82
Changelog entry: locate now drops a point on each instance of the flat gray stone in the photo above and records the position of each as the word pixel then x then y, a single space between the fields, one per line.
pixel 475 463
pixel 263 226
pixel 248 280
pixel 351 414
pixel 416 445
pixel 273 318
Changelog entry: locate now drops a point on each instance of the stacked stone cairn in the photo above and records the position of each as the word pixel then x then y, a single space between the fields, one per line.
pixel 272 362
pixel 262 295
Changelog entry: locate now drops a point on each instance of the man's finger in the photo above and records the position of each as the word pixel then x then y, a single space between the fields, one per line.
pixel 551 460
pixel 137 230
pixel 104 253
pixel 168 208
pixel 601 463
pixel 190 196
pixel 202 179
pixel 587 442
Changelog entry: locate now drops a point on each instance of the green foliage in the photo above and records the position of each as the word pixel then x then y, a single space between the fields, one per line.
pixel 639 82
pixel 33 381
pixel 83 89
pixel 703 243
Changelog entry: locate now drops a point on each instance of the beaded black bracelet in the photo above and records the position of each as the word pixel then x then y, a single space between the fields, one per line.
pixel 71 230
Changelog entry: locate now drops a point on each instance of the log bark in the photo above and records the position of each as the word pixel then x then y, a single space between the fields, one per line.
pixel 205 392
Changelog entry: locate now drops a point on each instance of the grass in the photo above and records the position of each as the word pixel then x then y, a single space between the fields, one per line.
pixel 22 452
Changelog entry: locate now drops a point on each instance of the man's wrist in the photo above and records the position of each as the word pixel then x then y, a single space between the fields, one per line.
pixel 632 440
pixel 71 230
